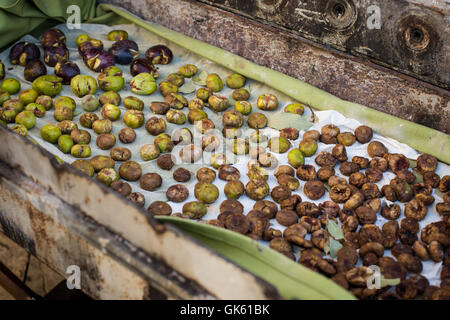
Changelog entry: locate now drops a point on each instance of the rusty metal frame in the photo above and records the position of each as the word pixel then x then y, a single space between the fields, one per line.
pixel 64 218
pixel 412 36
pixel 270 44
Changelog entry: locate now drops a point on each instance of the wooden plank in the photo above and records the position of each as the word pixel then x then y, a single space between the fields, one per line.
pixel 66 218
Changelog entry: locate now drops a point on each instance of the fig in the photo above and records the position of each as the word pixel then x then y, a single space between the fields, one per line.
pixel 23 52
pixel 66 70
pixel 124 51
pixel 53 55
pixel 159 54
pixel 53 38
pixel 90 44
pixel 34 69
pixel 97 59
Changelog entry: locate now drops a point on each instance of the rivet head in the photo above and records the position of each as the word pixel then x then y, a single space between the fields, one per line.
pixel 417 37
pixel 340 14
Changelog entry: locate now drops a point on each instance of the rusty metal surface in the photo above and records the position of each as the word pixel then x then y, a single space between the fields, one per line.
pixel 344 75
pixel 37 217
pixel 14 285
pixel 64 217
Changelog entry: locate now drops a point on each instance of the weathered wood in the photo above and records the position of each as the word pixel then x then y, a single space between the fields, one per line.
pixel 341 74
pixel 65 218
pixel 412 36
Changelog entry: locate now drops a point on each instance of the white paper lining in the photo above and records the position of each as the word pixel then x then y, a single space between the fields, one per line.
pixel 146 39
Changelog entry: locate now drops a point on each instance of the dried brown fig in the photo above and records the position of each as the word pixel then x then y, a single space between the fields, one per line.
pixel 372 247
pixel 388 192
pixel 306 172
pixel 308 209
pixel 406 175
pixel 282 246
pixel 347 257
pixel 426 163
pixel 347 168
pixel 320 239
pixel 376 149
pixel 339 153
pixel 291 202
pixel 370 191
pixel 329 208
pixel 286 217
pixel 340 193
pixel 379 163
pixel 181 175
pixel 231 205
pixel 374 204
pixel 160 208
pixel 237 222
pixel 314 190
pixel 410 224
pixel 363 134
pixel 311 134
pixel 280 193
pixel 416 210
pixel 268 208
pixel 407 289
pixel 391 269
pixel 391 212
pixel 397 162
pixel 334 180
pixel 402 189
pixel 431 179
pixel 177 193
pixel 325 158
pixel 443 209
pixel 346 138
pixel 284 169
pixel 354 201
pixel 228 173
pixel 366 215
pixel 324 173
pixel 330 129
pixel 357 179
pixel 390 233
pixel 296 233
pixel 444 184
pixel 311 224
pixel 271 233
pixel 374 175
pixel 361 161
pixel 436 251
pixel 359 276
pixel 410 262
pixel 166 161
pixel 289 181
pixel 400 248
pixel 370 232
pixel 420 249
pixel 206 175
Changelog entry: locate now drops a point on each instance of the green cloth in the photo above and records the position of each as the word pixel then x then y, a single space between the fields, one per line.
pixel 21 17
